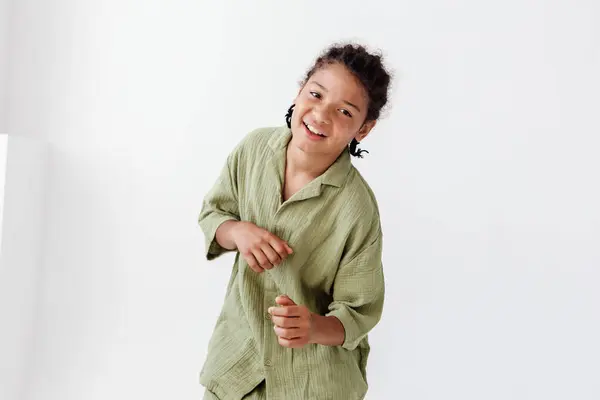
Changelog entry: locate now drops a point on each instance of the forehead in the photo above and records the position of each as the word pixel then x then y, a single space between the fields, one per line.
pixel 339 83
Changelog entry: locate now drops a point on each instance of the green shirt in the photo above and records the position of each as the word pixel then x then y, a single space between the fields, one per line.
pixel 333 226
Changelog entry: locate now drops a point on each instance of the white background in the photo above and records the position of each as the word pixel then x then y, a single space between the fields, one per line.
pixel 486 170
pixel 22 205
pixel 4 11
pixel 3 146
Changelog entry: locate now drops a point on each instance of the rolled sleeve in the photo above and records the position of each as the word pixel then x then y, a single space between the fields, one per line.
pixel 358 294
pixel 220 205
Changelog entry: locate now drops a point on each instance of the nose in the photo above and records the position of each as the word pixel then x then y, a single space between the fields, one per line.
pixel 322 114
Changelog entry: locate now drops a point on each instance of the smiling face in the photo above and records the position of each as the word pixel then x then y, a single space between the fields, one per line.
pixel 329 112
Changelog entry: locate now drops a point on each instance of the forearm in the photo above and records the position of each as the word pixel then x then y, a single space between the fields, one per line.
pixel 224 236
pixel 327 330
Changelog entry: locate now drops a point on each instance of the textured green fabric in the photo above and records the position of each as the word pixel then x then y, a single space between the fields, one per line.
pixel 258 393
pixel 333 226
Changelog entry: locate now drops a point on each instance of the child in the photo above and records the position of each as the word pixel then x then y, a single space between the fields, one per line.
pixel 307 285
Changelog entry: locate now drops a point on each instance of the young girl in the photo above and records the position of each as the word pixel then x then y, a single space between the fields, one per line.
pixel 307 285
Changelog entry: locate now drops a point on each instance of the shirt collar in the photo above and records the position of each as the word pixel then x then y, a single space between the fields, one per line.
pixel 335 175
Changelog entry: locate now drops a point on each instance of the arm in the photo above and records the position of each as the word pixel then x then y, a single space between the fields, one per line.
pixel 356 307
pixel 358 294
pixel 223 230
pixel 224 236
pixel 219 212
pixel 327 330
pixel 296 326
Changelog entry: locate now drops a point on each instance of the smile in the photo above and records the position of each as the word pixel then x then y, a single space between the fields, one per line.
pixel 312 131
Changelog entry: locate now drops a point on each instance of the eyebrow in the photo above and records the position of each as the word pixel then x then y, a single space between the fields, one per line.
pixel 345 101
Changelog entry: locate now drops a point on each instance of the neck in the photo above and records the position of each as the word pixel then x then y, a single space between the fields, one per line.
pixel 300 163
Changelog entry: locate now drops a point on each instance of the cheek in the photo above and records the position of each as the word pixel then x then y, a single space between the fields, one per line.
pixel 347 126
pixel 301 107
pixel 297 108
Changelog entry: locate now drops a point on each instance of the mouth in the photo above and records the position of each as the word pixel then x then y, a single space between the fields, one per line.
pixel 313 132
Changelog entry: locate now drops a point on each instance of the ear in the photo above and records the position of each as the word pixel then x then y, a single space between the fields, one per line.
pixel 364 130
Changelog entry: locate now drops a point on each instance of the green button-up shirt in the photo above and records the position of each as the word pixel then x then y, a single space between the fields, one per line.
pixel 333 226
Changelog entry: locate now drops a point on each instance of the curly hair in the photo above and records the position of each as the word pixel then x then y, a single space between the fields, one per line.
pixel 370 71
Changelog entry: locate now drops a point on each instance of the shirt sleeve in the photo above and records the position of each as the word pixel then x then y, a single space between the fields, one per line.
pixel 220 205
pixel 358 293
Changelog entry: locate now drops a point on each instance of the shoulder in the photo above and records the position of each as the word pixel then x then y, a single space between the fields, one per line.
pixel 360 198
pixel 256 144
pixel 361 210
pixel 264 137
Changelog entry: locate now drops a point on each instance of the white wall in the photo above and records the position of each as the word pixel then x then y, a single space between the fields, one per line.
pixel 485 171
pixel 3 145
pixel 4 19
pixel 21 236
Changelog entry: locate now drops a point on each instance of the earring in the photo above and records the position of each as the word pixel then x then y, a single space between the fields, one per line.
pixel 288 116
pixel 354 150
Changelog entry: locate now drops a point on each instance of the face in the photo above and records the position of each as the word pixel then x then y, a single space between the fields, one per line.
pixel 329 112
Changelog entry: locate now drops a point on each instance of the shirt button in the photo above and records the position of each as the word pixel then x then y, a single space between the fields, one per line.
pixel 267 363
pixel 267 315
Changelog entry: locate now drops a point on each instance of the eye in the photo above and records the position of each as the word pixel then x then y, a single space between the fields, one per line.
pixel 346 113
pixel 315 95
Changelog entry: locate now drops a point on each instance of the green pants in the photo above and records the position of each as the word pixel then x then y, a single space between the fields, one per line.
pixel 258 393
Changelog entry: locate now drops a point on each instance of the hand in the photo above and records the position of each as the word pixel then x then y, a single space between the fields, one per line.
pixel 292 323
pixel 259 247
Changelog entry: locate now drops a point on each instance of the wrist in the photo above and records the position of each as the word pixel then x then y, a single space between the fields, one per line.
pixel 326 330
pixel 226 234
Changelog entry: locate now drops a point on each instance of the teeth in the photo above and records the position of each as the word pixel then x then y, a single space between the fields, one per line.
pixel 313 130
